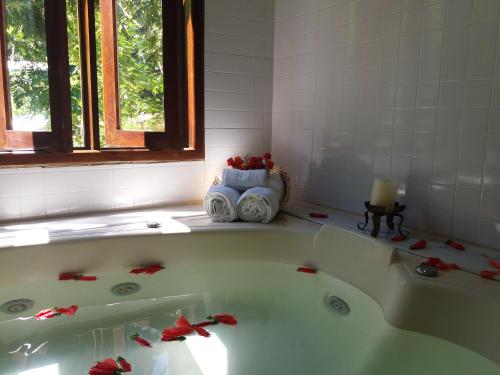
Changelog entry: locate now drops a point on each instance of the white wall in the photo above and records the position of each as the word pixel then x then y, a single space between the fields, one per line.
pixel 238 95
pixel 406 89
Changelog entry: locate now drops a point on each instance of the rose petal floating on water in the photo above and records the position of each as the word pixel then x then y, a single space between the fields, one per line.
pixel 56 311
pixel 307 270
pixel 149 270
pixel 109 366
pixel 224 319
pixel 126 367
pixel 140 340
pixel 174 333
pixel 76 277
pixel 183 322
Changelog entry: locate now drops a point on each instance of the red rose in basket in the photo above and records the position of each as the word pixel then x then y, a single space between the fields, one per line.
pixel 251 162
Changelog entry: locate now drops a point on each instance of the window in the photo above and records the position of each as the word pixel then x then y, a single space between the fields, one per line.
pixel 88 81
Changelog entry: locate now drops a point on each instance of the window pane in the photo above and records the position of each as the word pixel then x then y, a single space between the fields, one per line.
pixel 27 64
pixel 140 64
pixel 98 41
pixel 75 73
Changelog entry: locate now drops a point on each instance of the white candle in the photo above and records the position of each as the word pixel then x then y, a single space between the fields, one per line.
pixel 383 193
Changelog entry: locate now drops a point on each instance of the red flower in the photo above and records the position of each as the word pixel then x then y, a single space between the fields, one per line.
pixel 307 270
pixel 230 162
pixel 109 366
pixel 75 277
pixel 398 238
pixel 150 270
pixel 68 310
pixel 47 314
pixel 172 333
pixel 439 264
pixel 422 244
pixel 126 367
pixel 238 162
pixel 318 215
pixel 489 274
pixel 267 156
pixel 182 327
pixel 269 164
pixel 183 322
pixel 68 276
pixel 254 162
pixel 56 311
pixel 87 278
pixel 456 245
pixel 493 262
pixel 141 341
pixel 224 319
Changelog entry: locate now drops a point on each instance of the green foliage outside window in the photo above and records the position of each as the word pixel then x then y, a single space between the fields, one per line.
pixel 140 61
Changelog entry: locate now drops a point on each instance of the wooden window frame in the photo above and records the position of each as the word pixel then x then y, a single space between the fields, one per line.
pixel 59 138
pixel 183 138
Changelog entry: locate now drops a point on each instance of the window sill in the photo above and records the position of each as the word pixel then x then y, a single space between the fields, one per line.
pixel 84 157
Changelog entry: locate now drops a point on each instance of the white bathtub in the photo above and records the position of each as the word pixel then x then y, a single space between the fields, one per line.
pixel 456 313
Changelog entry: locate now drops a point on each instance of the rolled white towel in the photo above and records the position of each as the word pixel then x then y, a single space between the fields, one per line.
pixel 221 203
pixel 258 205
pixel 242 180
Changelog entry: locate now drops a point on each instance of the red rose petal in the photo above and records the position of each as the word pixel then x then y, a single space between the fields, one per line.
pixel 56 311
pixel 172 333
pixel 67 310
pixel 318 215
pixel 47 314
pixel 67 276
pixel 397 238
pixel 422 244
pixel 456 245
pixel 182 322
pixel 107 366
pixel 224 319
pixel 493 262
pixel 141 341
pixel 439 264
pixel 201 331
pixel 76 277
pixel 87 278
pixel 126 367
pixel 489 274
pixel 150 270
pixel 307 270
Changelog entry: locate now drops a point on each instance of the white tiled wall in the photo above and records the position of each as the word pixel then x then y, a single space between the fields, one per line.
pixel 238 94
pixel 407 89
pixel 238 79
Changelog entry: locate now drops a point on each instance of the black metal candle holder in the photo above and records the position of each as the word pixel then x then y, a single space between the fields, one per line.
pixel 378 212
